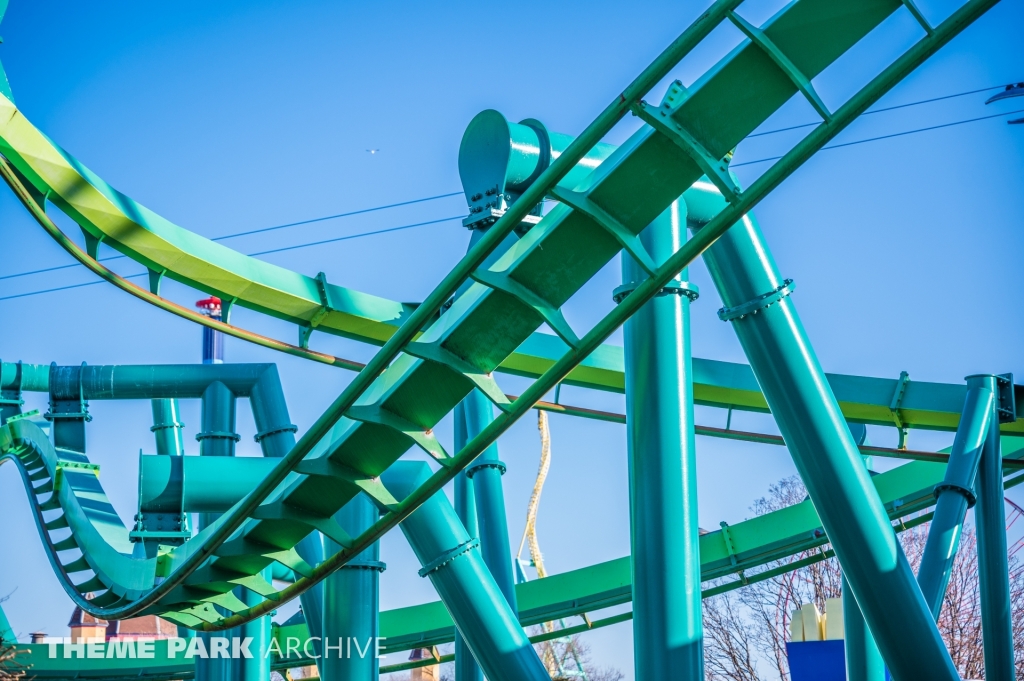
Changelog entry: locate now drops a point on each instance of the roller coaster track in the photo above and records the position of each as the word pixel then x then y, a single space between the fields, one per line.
pixel 84 509
pixel 429 362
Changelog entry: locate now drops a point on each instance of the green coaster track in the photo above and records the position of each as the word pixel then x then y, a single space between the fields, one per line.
pixel 480 321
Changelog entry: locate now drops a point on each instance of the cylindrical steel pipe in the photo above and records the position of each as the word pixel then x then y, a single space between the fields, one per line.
pixel 667 624
pixel 182 381
pixel 499 160
pixel 34 378
pixel 485 474
pixel 195 484
pixel 955 495
pixel 766 322
pixel 217 439
pixel 466 668
pixel 167 428
pixel 257 667
pixel 863 661
pixel 452 561
pixel 277 437
pixel 993 567
pixel 351 600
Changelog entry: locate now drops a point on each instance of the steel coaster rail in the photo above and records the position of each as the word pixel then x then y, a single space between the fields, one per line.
pixel 648 289
pixel 826 131
pixel 406 333
pixel 596 373
pixel 774 550
pixel 505 225
pixel 560 167
pixel 750 436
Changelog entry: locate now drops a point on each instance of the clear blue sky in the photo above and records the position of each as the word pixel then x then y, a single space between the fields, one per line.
pixel 236 115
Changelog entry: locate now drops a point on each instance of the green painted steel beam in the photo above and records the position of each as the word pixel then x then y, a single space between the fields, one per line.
pixel 925 405
pixel 408 387
pixel 160 245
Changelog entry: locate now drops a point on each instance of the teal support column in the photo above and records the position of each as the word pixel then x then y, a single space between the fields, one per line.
pixel 11 378
pixel 276 437
pixel 993 567
pixel 351 602
pixel 257 667
pixel 485 474
pixel 167 427
pixel 452 561
pixel 167 431
pixel 479 497
pixel 466 668
pixel 217 438
pixel 955 494
pixel 863 661
pixel 668 632
pixel 758 304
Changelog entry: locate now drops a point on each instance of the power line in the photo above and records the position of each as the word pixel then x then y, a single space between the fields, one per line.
pixel 885 137
pixel 273 250
pixel 332 217
pixel 65 288
pixel 259 231
pixel 888 108
pixel 356 236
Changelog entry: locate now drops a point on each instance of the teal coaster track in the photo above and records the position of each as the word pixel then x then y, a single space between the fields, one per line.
pixel 309 514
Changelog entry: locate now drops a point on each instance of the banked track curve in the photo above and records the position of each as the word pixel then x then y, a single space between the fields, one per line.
pixel 429 364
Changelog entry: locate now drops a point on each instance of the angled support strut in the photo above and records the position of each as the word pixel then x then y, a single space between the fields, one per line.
pixel 826 456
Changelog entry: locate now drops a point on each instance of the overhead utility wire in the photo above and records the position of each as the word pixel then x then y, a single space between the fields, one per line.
pixel 888 108
pixel 273 250
pixel 265 229
pixel 885 137
pixel 420 224
pixel 450 194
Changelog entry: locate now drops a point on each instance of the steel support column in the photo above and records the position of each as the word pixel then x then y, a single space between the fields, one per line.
pixel 351 601
pixel 955 495
pixel 667 625
pixel 452 561
pixel 277 437
pixel 758 304
pixel 167 430
pixel 993 567
pixel 167 427
pixel 217 438
pixel 485 474
pixel 257 667
pixel 863 661
pixel 466 668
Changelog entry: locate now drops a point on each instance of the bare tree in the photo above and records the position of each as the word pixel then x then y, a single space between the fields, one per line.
pixel 757 617
pixel 571 654
pixel 729 651
pixel 10 668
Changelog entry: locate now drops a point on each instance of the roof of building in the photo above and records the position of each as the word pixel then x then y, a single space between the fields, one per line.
pixel 148 626
pixel 80 618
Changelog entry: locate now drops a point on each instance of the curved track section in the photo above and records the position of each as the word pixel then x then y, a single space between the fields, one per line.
pixel 72 511
pixel 429 364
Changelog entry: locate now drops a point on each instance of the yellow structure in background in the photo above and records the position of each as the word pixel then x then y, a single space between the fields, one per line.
pixel 808 624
